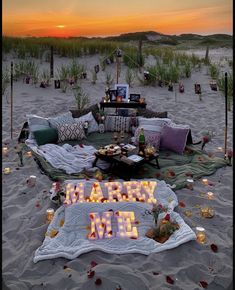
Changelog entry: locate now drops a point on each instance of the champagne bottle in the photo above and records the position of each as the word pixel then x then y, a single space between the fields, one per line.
pixel 141 141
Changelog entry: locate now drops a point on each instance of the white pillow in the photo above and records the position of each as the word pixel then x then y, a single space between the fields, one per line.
pixel 65 118
pixel 93 126
pixel 36 123
pixel 153 124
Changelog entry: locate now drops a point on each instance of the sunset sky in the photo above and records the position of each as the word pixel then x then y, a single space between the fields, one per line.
pixel 108 17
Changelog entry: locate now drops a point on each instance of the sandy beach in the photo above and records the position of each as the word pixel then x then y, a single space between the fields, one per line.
pixel 24 208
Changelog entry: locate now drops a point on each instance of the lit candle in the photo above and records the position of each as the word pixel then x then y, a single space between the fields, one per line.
pixel 7 170
pixel 50 214
pixel 210 195
pixel 5 151
pixel 190 184
pixel 207 212
pixel 201 235
pixel 220 149
pixel 29 153
pixel 205 181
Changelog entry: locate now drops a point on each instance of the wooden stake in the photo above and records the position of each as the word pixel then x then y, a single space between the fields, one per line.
pixel 52 63
pixel 12 100
pixel 226 113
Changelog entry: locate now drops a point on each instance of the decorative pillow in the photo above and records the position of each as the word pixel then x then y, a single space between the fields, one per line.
pixel 151 114
pixel 94 109
pixel 153 124
pixel 117 123
pixel 37 123
pixel 65 118
pixel 93 126
pixel 45 136
pixel 71 132
pixel 174 139
pixel 151 137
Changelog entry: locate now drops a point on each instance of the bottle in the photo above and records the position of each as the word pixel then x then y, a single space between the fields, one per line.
pixel 141 141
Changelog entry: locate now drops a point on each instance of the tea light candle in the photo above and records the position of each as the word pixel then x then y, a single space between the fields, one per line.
pixel 50 214
pixel 207 212
pixel 201 235
pixel 220 149
pixel 29 154
pixel 7 170
pixel 190 184
pixel 5 151
pixel 205 181
pixel 210 195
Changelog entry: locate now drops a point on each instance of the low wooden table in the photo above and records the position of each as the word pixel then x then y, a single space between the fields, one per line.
pixel 130 105
pixel 125 166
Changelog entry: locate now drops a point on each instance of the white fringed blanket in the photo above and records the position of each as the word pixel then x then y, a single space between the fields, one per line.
pixel 71 240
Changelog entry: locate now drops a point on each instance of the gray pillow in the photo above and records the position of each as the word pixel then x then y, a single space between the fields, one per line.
pixel 37 123
pixel 65 118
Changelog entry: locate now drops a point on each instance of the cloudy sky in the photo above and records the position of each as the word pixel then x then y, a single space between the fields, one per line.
pixel 109 17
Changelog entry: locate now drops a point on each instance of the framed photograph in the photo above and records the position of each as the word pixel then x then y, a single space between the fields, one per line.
pixel 112 95
pixel 135 98
pixel 123 91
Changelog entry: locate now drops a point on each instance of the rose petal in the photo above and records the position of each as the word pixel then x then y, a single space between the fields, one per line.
pixel 167 217
pixel 214 248
pixel 90 273
pixel 98 281
pixel 203 284
pixel 93 264
pixel 181 204
pixel 169 280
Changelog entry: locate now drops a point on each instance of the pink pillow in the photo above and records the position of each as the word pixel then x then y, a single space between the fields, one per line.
pixel 174 139
pixel 151 137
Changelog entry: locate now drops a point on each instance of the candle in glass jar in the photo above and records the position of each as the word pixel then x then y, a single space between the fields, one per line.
pixel 220 149
pixel 29 153
pixel 50 214
pixel 205 181
pixel 201 235
pixel 5 151
pixel 210 195
pixel 207 212
pixel 7 170
pixel 190 184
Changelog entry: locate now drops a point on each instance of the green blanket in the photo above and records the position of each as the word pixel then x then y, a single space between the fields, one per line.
pixel 174 168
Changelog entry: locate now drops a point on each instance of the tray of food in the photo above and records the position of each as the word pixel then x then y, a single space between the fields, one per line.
pixel 110 150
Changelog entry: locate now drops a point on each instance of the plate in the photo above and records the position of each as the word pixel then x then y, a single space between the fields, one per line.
pixel 110 150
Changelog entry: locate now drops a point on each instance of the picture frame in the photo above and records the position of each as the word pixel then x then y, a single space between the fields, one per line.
pixel 112 95
pixel 123 91
pixel 135 98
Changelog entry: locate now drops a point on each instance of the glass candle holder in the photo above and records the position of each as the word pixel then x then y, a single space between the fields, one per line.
pixel 50 214
pixel 29 153
pixel 201 235
pixel 205 181
pixel 5 151
pixel 207 212
pixel 31 181
pixel 190 183
pixel 7 170
pixel 210 195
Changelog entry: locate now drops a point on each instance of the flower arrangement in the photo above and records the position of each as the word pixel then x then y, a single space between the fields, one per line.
pixel 206 137
pixel 164 227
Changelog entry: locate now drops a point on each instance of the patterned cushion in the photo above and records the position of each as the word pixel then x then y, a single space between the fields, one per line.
pixel 151 114
pixel 93 126
pixel 71 132
pixel 151 137
pixel 66 118
pixel 117 123
pixel 94 109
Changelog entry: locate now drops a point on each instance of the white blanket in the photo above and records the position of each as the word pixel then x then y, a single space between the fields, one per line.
pixel 72 159
pixel 71 240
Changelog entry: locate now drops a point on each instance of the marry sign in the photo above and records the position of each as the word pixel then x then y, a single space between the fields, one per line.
pixel 112 217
